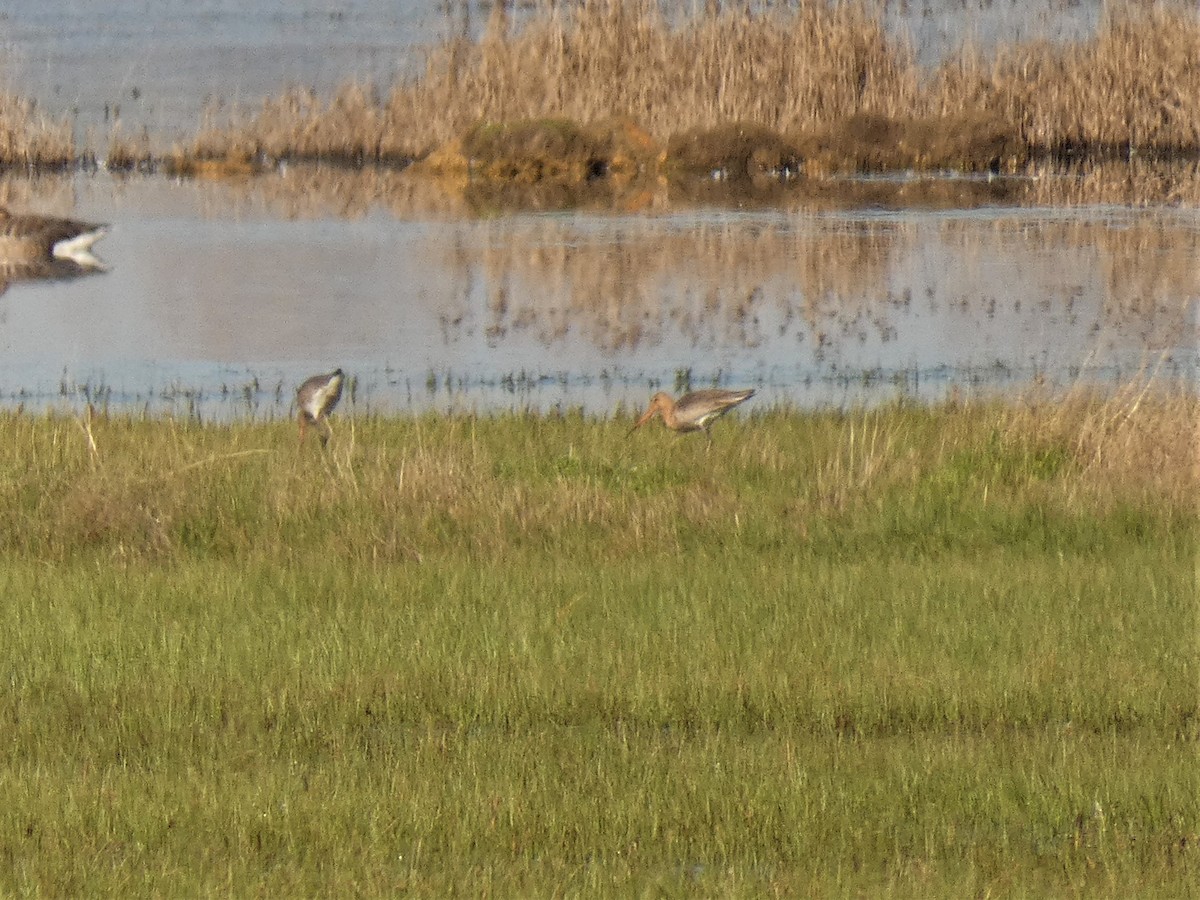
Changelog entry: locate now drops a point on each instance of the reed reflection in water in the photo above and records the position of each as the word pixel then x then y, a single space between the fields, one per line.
pixel 221 297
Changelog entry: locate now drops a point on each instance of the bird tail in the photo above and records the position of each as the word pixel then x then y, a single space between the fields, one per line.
pixel 78 249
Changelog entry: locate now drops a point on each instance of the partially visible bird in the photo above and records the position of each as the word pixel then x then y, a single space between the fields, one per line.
pixel 692 412
pixel 35 246
pixel 316 399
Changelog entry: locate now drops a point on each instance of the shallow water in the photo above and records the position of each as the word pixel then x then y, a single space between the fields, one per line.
pixel 222 296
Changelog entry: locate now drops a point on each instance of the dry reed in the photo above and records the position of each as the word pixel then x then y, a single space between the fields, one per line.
pixel 753 88
pixel 614 59
pixel 811 80
pixel 30 138
pixel 1139 440
pixel 1133 87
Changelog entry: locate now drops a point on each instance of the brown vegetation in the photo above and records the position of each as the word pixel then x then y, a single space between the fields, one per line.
pixel 28 138
pixel 556 149
pixel 616 86
pixel 814 88
pixel 1142 436
pixel 782 70
pixel 1134 87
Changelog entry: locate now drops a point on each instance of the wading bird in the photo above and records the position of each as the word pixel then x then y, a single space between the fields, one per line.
pixel 316 399
pixel 46 246
pixel 692 412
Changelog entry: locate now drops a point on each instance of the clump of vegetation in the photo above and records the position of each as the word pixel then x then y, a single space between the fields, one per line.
pixel 29 138
pixel 906 650
pixel 781 70
pixel 352 127
pixel 961 142
pixel 546 149
pixel 736 150
pixel 127 153
pixel 858 143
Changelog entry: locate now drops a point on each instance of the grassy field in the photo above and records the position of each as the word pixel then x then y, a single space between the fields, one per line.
pixel 906 652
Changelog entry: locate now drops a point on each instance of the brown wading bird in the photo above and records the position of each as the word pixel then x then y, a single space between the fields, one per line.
pixel 692 412
pixel 46 246
pixel 316 399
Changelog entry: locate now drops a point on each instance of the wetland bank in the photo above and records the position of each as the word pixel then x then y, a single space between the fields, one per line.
pixel 921 621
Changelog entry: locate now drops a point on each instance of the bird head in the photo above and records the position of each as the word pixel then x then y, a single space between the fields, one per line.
pixel 659 404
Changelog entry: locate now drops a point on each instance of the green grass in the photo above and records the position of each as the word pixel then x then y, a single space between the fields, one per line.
pixel 909 652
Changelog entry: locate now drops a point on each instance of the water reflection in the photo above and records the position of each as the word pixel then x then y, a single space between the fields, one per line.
pixel 41 270
pixel 223 296
pixel 321 192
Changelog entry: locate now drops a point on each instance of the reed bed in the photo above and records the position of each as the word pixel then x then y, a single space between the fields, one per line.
pixel 935 651
pixel 811 86
pixel 29 138
pixel 1133 88
pixel 612 59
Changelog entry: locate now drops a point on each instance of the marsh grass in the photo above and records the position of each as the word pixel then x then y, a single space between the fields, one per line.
pixel 28 137
pixel 902 651
pixel 752 89
pixel 748 89
pixel 1132 88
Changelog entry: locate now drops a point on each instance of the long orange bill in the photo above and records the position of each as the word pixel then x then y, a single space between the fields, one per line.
pixel 646 416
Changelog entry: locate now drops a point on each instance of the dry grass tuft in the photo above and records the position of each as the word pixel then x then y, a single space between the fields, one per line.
pixel 537 150
pixel 353 127
pixel 127 153
pixel 232 165
pixel 29 138
pixel 1140 440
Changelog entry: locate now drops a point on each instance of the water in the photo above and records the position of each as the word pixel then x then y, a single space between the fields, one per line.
pixel 223 296
pixel 159 65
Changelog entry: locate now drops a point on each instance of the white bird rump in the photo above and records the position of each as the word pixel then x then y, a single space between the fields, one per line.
pixel 33 246
pixel 79 249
